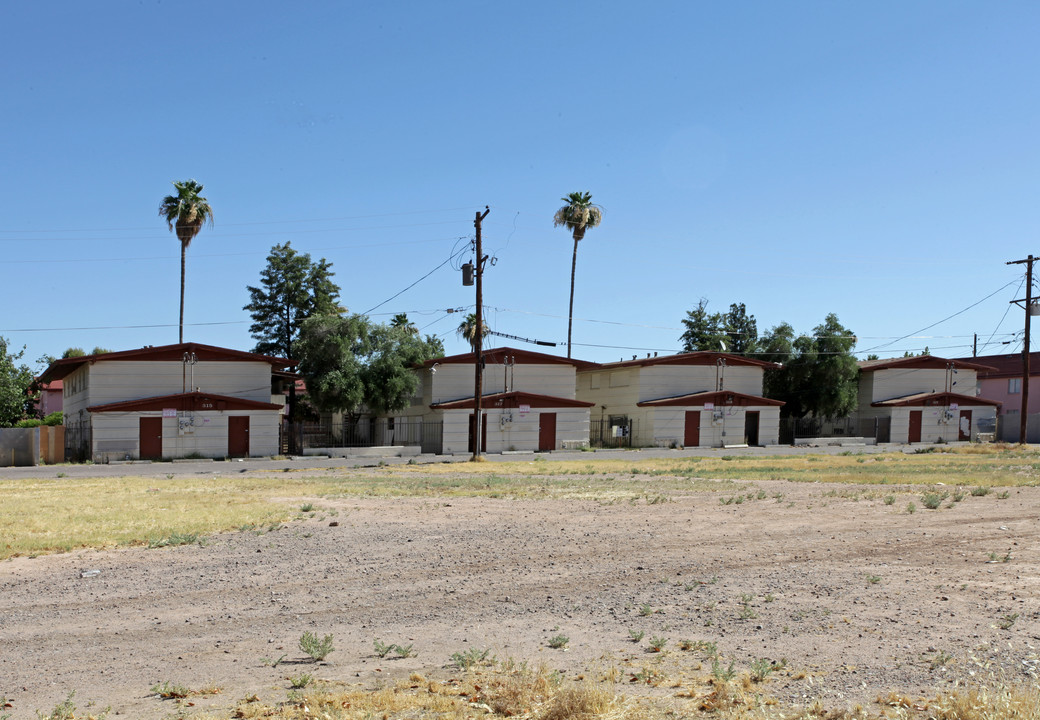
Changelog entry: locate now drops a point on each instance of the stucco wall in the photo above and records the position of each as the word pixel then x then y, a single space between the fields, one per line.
pixel 116 436
pixel 519 432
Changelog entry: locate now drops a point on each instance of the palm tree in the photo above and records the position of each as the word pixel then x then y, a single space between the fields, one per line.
pixel 467 330
pixel 578 215
pixel 185 213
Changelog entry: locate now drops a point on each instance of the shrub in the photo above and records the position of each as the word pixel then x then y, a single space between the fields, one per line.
pixel 54 418
pixel 317 649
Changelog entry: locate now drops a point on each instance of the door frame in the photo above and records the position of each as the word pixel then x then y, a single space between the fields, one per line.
pixel 916 421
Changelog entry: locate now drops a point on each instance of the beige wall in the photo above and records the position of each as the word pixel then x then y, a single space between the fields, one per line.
pixel 669 425
pixel 116 381
pixel 933 429
pixel 116 435
pixel 899 382
pixel 454 381
pixel 519 432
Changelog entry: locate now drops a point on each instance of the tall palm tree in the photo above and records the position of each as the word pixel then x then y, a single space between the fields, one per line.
pixel 578 215
pixel 185 213
pixel 467 330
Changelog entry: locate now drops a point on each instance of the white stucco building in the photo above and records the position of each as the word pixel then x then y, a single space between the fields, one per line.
pixel 697 399
pixel 924 398
pixel 171 401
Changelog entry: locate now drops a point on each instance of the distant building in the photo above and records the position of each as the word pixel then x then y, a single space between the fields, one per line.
pixel 925 398
pixel 170 401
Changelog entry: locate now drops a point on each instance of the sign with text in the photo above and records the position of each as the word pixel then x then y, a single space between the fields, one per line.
pixel 169 412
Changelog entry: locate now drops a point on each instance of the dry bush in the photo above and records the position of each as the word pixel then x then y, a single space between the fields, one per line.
pixel 982 703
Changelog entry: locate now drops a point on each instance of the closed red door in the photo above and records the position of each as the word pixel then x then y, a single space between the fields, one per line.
pixel 692 434
pixel 150 438
pixel 915 426
pixel 483 432
pixel 964 428
pixel 238 436
pixel 546 431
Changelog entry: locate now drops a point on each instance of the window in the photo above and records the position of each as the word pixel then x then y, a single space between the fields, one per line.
pixel 1014 386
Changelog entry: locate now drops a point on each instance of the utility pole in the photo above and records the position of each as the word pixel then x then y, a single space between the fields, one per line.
pixel 478 341
pixel 1024 414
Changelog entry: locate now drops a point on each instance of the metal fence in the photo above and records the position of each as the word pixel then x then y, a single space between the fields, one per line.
pixel 812 427
pixel 77 443
pixel 368 432
pixel 612 433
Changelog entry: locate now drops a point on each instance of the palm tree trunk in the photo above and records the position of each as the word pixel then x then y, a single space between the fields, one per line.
pixel 180 334
pixel 570 310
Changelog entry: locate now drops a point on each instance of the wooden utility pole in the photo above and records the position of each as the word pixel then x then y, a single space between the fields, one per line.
pixel 478 340
pixel 1024 412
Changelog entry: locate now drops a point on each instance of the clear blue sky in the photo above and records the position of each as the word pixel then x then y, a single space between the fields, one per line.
pixel 874 160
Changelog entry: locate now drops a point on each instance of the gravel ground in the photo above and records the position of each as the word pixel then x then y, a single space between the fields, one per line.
pixel 858 597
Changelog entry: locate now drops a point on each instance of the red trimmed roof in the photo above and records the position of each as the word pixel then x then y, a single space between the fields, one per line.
pixel 719 397
pixel 933 399
pixel 512 400
pixel 186 402
pixel 163 353
pixel 693 358
pixel 497 356
pixel 920 362
pixel 1002 366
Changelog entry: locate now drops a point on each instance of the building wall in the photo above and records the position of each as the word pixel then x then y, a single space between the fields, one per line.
pixel 116 435
pixel 661 381
pixel 933 429
pixel 899 382
pixel 669 425
pixel 517 432
pixel 454 381
pixel 997 389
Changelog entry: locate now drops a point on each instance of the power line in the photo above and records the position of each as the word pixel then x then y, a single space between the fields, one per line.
pixel 959 312
pixel 120 327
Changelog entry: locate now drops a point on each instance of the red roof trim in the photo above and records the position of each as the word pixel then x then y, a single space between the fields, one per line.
pixel 496 356
pixel 512 400
pixel 693 358
pixel 186 402
pixel 921 362
pixel 934 400
pixel 163 353
pixel 719 397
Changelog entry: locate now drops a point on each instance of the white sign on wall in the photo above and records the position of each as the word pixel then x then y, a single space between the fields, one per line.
pixel 524 409
pixel 169 412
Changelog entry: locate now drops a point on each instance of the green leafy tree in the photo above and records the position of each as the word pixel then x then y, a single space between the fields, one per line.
pixel 350 364
pixel 73 352
pixel 185 214
pixel 467 330
pixel 292 289
pixel 578 215
pixel 734 332
pixel 776 346
pixel 16 399
pixel 821 376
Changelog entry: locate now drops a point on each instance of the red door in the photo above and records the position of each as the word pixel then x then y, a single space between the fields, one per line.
pixel 546 431
pixel 483 432
pixel 692 434
pixel 964 429
pixel 238 436
pixel 915 426
pixel 150 437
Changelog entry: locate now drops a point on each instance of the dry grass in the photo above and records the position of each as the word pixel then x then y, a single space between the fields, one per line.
pixel 39 517
pixel 64 514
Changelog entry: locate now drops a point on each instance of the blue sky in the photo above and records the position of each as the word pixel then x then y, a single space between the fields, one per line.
pixel 874 160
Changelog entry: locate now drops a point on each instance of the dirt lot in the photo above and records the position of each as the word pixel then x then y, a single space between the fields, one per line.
pixel 859 597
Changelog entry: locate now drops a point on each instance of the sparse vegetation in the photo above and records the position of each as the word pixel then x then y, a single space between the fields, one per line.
pixel 558 642
pixel 657 643
pixel 636 636
pixel 471 658
pixel 314 648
